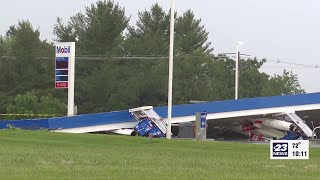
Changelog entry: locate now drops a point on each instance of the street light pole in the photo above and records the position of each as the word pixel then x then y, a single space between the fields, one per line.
pixel 170 70
pixel 237 72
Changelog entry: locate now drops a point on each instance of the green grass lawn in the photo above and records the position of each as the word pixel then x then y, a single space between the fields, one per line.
pixel 45 155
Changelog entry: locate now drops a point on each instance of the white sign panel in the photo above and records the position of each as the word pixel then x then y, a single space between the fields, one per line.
pixel 65 52
pixel 65 49
pixel 289 149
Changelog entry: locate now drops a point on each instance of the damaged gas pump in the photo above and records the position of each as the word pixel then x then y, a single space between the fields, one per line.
pixel 149 122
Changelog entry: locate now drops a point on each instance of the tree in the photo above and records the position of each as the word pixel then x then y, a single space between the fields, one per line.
pixel 98 31
pixel 288 83
pixel 139 78
pixel 151 34
pixel 26 46
pixel 252 81
pixel 191 35
pixel 30 106
pixel 150 37
pixel 21 68
pixel 5 46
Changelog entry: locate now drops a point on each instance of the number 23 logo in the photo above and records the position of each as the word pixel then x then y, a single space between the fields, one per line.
pixel 281 147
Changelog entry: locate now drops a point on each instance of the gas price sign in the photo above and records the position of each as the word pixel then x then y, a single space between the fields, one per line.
pixel 62 72
pixel 289 149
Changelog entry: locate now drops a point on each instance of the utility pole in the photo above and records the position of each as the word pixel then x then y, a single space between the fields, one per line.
pixel 170 70
pixel 237 72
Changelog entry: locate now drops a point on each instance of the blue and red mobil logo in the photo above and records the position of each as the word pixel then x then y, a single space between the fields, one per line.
pixel 63 49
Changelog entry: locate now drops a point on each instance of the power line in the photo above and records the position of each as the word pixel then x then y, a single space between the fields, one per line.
pixel 293 63
pixel 96 58
pixel 276 61
pixel 286 67
pixel 161 57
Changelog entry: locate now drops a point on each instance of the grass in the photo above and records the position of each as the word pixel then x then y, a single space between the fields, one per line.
pixel 46 155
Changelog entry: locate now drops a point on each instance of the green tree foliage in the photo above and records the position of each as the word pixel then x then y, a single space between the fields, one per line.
pixel 30 106
pixel 191 35
pixel 97 31
pixel 22 68
pixel 5 46
pixel 26 46
pixel 139 77
pixel 287 83
pixel 252 81
pixel 150 38
pixel 198 75
pixel 151 34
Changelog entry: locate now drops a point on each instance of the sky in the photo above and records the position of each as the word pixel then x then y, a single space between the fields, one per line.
pixel 285 30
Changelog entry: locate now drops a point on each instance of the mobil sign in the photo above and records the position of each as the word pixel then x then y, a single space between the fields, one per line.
pixel 63 49
pixel 64 62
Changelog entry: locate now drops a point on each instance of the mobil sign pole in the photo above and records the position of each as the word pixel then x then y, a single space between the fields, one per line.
pixel 65 70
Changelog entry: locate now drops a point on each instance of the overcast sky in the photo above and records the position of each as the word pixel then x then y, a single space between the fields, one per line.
pixel 285 30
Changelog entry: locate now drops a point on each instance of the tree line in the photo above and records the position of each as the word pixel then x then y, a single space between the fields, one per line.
pixel 122 66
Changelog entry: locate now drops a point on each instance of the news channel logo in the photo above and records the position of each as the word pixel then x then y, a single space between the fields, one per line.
pixel 289 149
pixel 280 149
